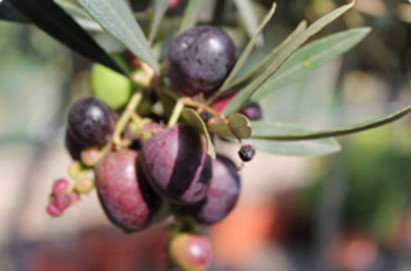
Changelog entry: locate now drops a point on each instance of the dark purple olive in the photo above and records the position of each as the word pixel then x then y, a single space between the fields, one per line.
pixel 91 122
pixel 252 111
pixel 127 199
pixel 200 59
pixel 73 147
pixel 177 165
pixel 222 195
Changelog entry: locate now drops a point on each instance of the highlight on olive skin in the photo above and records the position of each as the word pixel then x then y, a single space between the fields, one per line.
pixel 200 59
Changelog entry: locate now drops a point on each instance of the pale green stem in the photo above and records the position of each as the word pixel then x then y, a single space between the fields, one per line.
pixel 175 116
pixel 125 117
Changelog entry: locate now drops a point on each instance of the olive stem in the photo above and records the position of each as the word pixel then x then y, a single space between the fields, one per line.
pixel 171 94
pixel 136 118
pixel 202 107
pixel 177 111
pixel 125 117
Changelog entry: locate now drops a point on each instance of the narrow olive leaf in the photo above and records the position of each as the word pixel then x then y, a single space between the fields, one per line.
pixel 311 57
pixel 73 9
pixel 247 75
pixel 238 126
pixel 193 119
pixel 191 15
pixel 269 131
pixel 296 148
pixel 80 16
pixel 118 20
pixel 53 20
pixel 249 18
pixel 9 13
pixel 160 8
pixel 247 50
pixel 245 94
pixel 301 148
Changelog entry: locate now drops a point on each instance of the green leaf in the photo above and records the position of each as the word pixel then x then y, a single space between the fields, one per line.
pixel 191 15
pixel 79 15
pixel 118 20
pixel 160 8
pixel 74 9
pixel 238 126
pixel 53 20
pixel 245 94
pixel 249 18
pixel 302 148
pixel 247 75
pixel 247 50
pixel 297 148
pixel 311 57
pixel 267 131
pixel 193 119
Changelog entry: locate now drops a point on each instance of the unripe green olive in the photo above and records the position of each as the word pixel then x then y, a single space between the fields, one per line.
pixel 110 86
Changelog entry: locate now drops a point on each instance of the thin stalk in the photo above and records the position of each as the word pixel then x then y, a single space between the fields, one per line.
pixel 125 117
pixel 339 131
pixel 177 111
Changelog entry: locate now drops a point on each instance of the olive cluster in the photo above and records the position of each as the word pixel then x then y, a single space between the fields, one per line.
pixel 145 171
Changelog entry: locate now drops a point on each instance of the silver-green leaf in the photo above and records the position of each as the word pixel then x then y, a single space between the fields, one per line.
pixel 160 8
pixel 249 18
pixel 193 119
pixel 311 57
pixel 247 50
pixel 245 94
pixel 191 15
pixel 116 18
pixel 295 148
pixel 274 131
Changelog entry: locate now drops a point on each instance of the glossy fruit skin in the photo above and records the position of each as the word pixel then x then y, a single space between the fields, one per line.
pixel 222 196
pixel 60 186
pixel 91 122
pixel 177 165
pixel 191 252
pixel 127 199
pixel 61 201
pixel 200 59
pixel 252 111
pixel 109 86
pixel 246 152
pixel 73 146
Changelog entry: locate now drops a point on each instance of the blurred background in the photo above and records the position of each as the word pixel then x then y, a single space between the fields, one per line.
pixel 347 211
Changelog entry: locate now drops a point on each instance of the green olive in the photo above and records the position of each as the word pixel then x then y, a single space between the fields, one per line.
pixel 110 86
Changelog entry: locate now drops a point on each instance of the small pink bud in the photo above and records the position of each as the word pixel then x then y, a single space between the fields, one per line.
pixel 89 156
pixel 61 202
pixel 173 3
pixel 60 186
pixel 74 196
pixel 191 251
pixel 53 210
pixel 85 182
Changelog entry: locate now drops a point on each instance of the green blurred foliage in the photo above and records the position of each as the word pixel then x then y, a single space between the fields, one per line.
pixel 33 71
pixel 376 172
